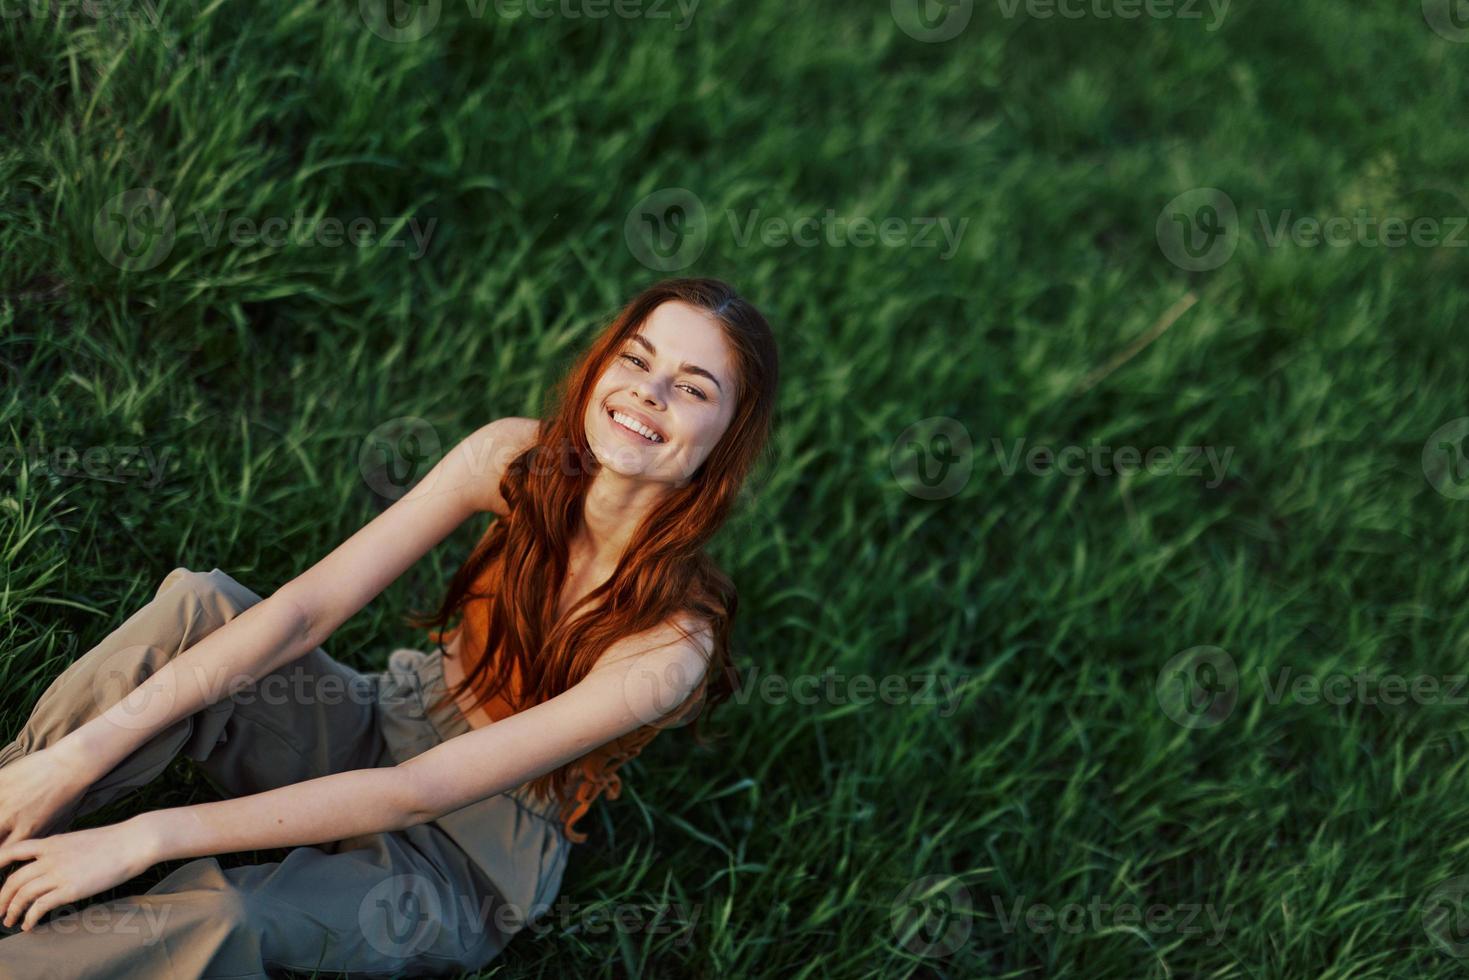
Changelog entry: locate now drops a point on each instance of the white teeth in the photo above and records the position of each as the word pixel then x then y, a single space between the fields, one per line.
pixel 629 422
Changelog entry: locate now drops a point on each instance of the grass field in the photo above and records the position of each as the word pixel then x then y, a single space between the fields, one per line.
pixel 1202 718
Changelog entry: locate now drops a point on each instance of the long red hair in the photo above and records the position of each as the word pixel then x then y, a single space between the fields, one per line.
pixel 524 556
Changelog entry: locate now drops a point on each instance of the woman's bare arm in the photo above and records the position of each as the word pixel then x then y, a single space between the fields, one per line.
pixel 460 485
pixel 638 682
pixel 302 614
pixel 271 632
pixel 314 811
pixel 613 700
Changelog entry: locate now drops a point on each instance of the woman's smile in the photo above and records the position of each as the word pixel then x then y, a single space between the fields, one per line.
pixel 631 433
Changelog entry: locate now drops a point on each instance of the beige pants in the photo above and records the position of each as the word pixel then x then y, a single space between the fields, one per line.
pixel 435 899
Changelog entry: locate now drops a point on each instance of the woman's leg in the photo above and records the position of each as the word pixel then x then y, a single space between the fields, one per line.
pixel 309 718
pixel 408 900
pixel 403 903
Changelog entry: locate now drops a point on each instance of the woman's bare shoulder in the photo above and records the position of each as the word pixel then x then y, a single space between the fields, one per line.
pixel 501 441
pixel 681 634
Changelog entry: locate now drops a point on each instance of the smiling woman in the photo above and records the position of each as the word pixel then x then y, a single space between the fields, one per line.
pixel 546 599
pixel 428 809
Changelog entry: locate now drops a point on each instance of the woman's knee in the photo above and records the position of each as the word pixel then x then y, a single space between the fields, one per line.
pixel 213 588
pixel 203 891
pixel 230 906
pixel 191 580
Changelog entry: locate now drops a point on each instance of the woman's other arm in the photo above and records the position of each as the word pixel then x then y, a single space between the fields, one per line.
pixel 627 690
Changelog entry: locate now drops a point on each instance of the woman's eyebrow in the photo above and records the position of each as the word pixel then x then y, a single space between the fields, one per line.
pixel 685 367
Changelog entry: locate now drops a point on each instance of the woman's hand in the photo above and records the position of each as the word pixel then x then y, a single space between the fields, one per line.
pixel 39 787
pixel 70 867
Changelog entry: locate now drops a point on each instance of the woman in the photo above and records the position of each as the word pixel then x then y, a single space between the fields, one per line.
pixel 427 809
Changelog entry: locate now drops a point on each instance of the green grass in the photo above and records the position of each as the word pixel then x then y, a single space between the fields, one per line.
pixel 1315 833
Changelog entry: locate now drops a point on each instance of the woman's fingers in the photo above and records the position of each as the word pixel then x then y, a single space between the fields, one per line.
pixel 17 850
pixel 13 885
pixel 39 787
pixel 40 907
pixel 15 834
pixel 36 886
pixel 10 831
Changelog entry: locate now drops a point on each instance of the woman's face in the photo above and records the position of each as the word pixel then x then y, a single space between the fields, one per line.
pixel 655 377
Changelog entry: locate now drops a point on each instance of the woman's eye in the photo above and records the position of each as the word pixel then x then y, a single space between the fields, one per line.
pixel 688 387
